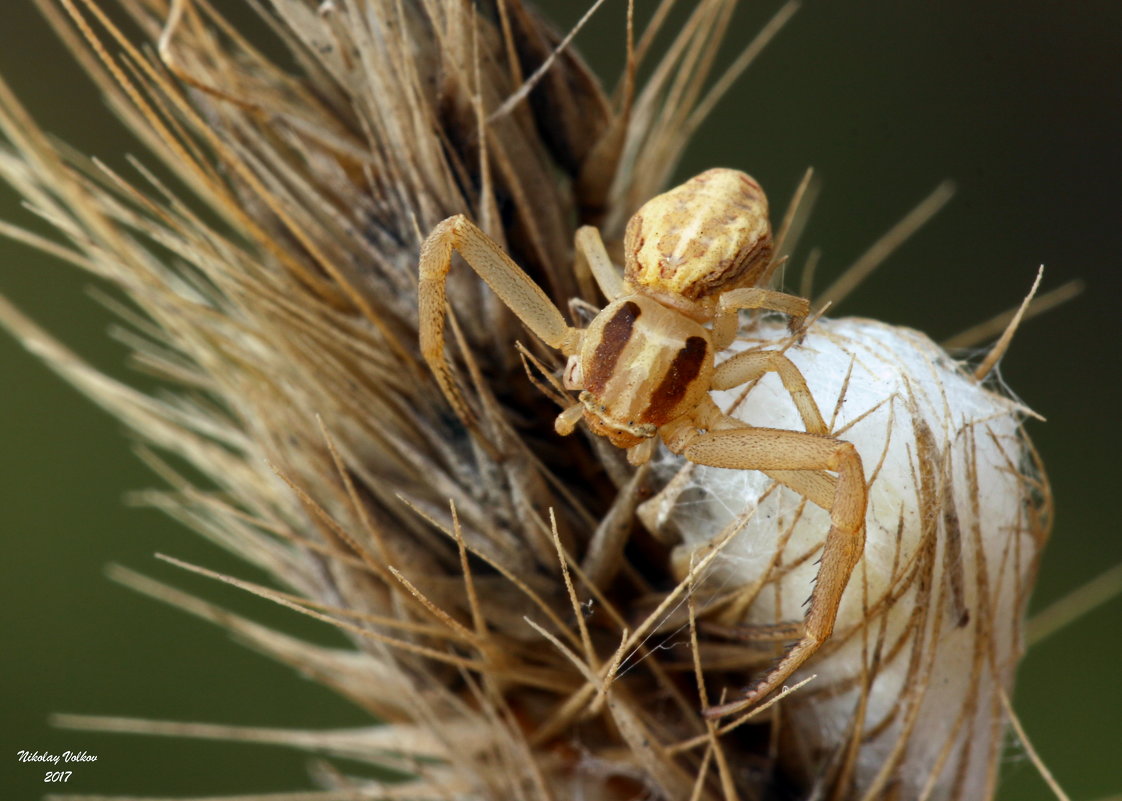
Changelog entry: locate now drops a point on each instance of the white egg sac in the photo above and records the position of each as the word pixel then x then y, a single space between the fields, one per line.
pixel 907 700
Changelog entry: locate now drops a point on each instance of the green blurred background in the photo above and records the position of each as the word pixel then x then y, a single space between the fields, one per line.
pixel 1020 104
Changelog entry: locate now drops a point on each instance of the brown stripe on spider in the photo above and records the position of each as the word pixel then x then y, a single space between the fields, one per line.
pixel 743 270
pixel 682 372
pixel 613 339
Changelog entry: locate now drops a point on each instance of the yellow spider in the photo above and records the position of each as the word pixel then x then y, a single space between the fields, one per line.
pixel 646 363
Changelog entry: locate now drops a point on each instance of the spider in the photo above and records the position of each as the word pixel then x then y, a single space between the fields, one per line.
pixel 645 364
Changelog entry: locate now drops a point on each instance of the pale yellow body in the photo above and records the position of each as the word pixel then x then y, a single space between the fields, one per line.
pixel 645 365
pixel 642 366
pixel 709 234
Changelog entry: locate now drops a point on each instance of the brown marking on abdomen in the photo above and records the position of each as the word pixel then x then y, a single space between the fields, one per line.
pixel 613 339
pixel 744 270
pixel 683 371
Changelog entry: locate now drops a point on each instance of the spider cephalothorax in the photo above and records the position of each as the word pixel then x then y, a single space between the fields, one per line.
pixel 641 365
pixel 644 367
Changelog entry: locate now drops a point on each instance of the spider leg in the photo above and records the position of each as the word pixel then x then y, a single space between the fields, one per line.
pixel 773 449
pixel 754 297
pixel 591 247
pixel 818 487
pixel 750 365
pixel 520 294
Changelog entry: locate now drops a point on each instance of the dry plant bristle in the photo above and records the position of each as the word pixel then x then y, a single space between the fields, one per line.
pixel 512 623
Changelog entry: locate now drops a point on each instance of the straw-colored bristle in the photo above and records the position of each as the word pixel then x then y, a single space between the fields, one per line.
pixel 506 607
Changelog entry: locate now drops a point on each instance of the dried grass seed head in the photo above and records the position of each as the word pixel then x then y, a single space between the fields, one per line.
pixel 297 306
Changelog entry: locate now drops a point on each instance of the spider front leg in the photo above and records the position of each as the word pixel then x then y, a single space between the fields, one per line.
pixel 520 294
pixel 725 324
pixel 795 452
pixel 750 365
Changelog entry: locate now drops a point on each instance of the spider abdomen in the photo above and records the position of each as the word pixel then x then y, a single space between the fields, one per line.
pixel 701 238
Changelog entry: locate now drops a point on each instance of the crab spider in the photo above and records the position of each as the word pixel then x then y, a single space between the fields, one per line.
pixel 645 364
